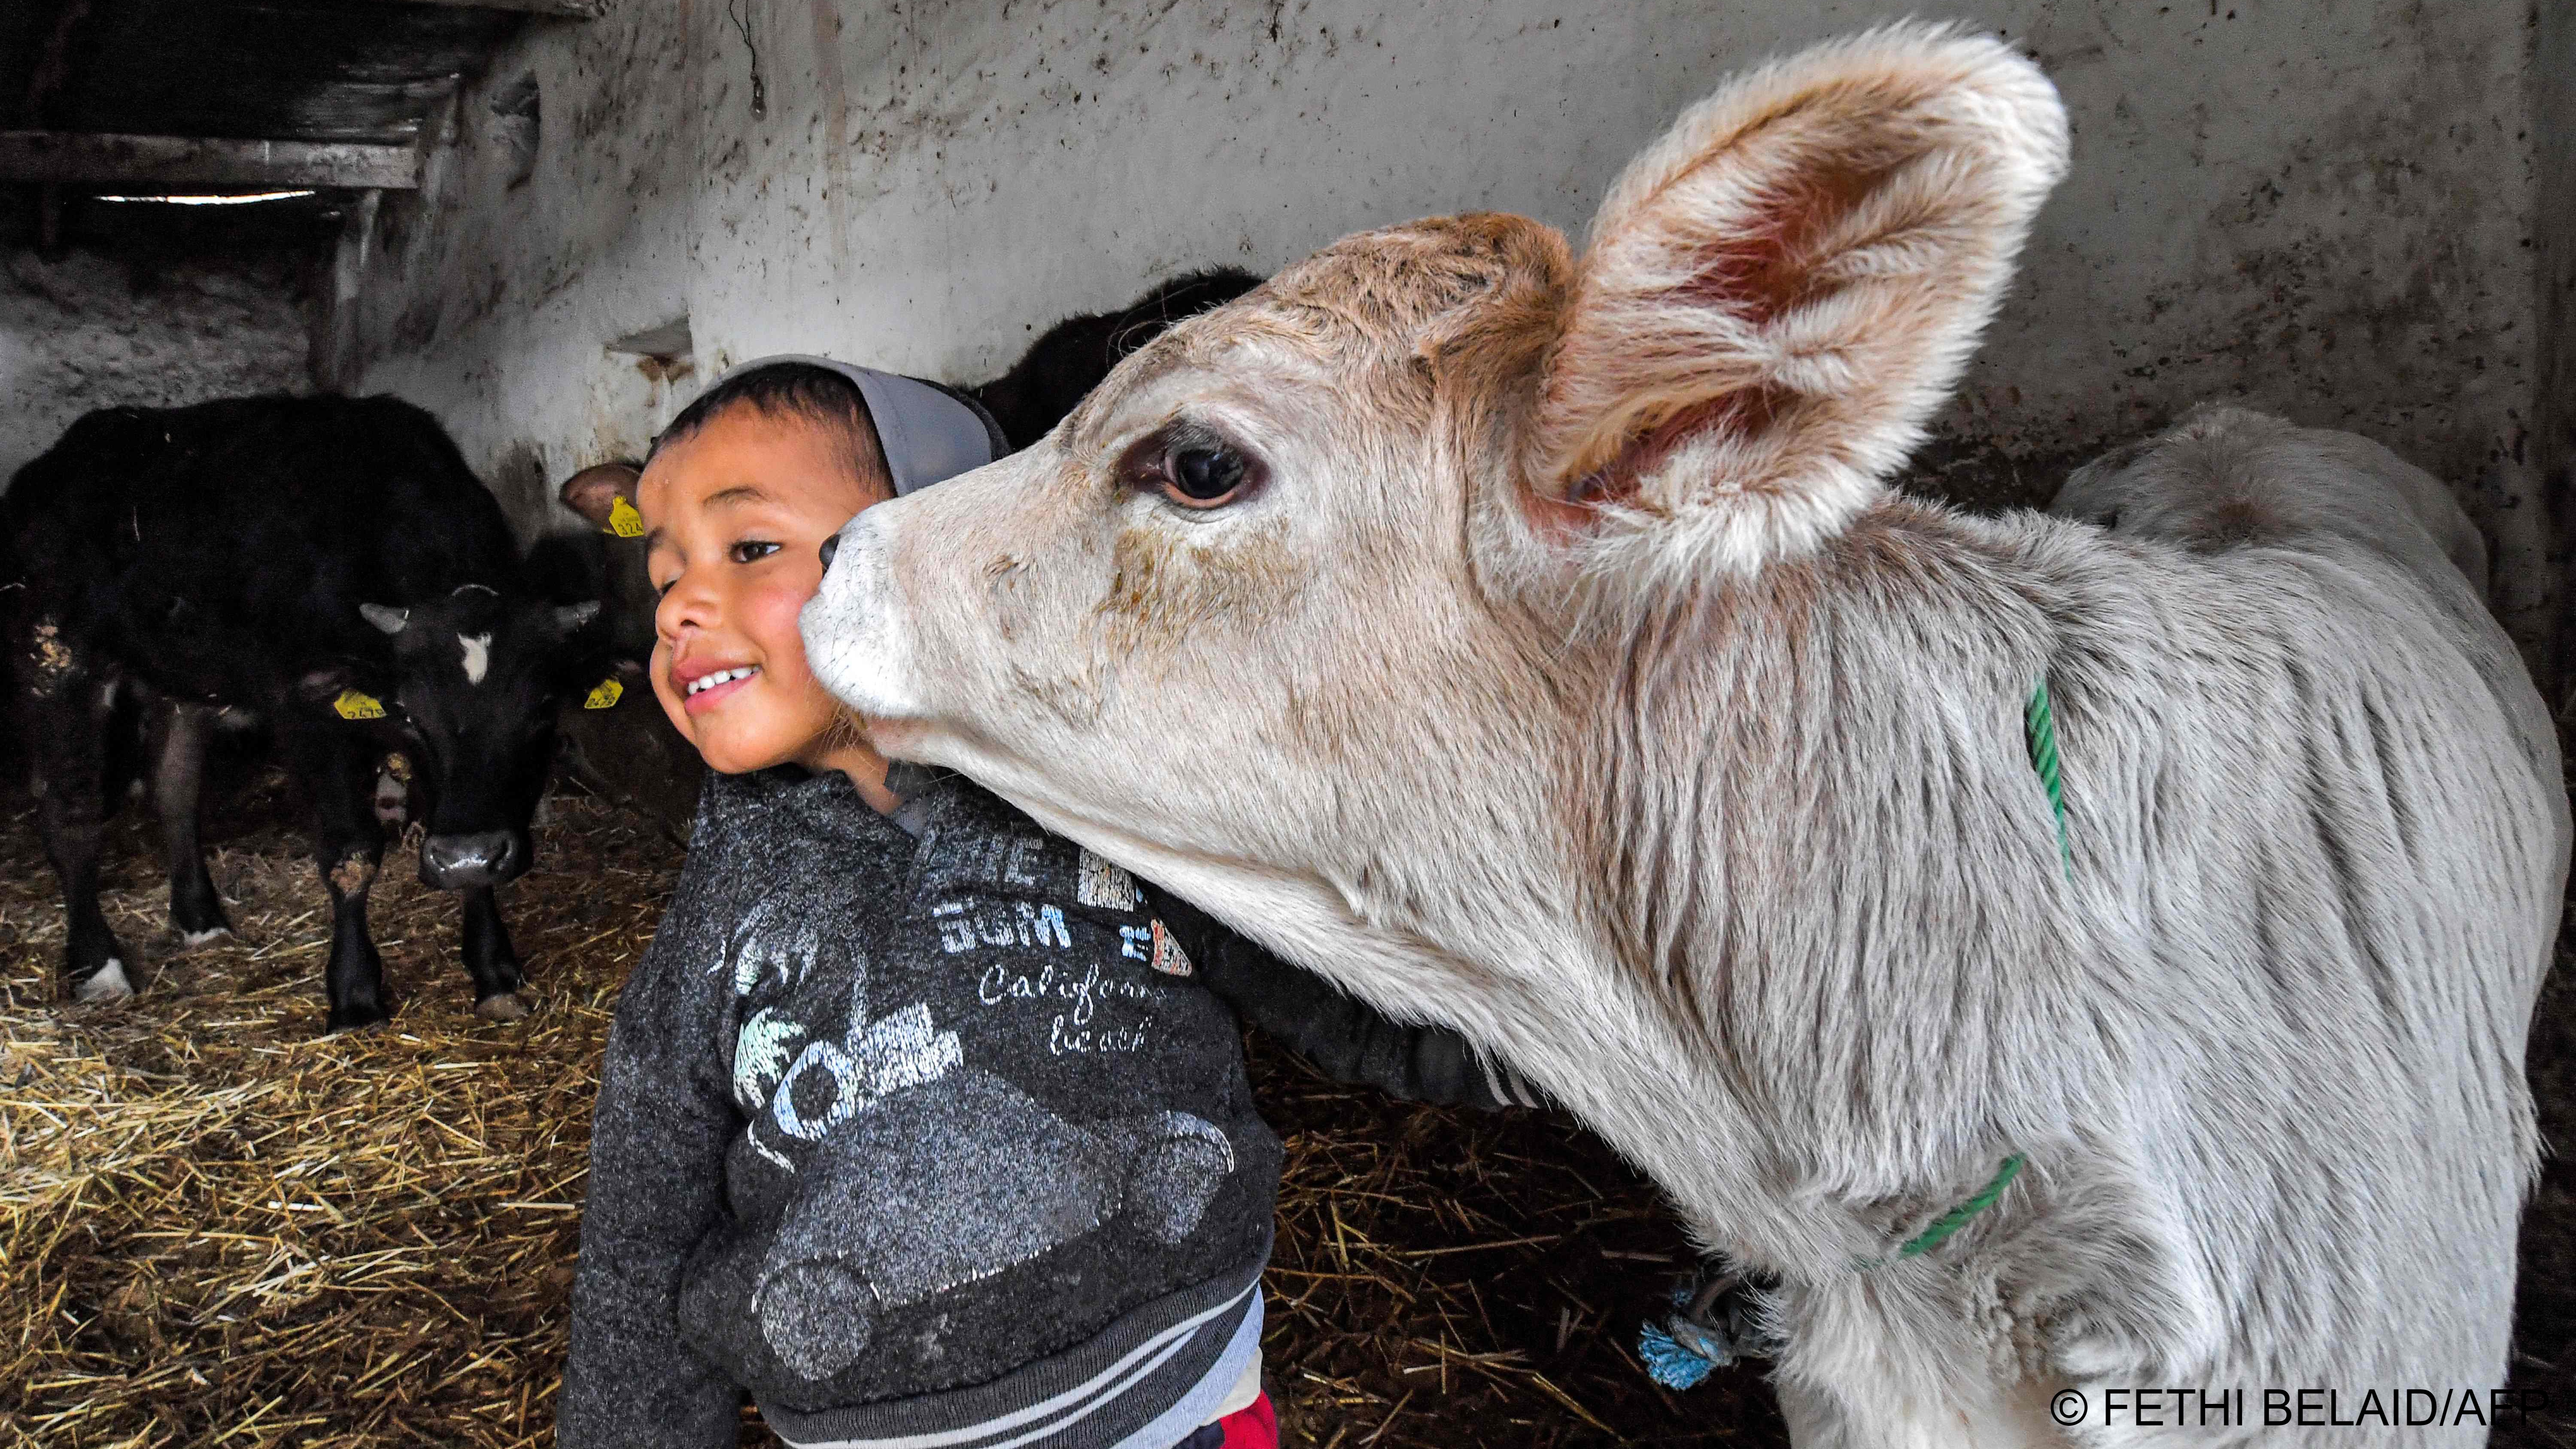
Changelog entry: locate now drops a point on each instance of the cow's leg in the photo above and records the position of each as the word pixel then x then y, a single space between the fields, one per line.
pixel 71 705
pixel 490 960
pixel 178 782
pixel 348 848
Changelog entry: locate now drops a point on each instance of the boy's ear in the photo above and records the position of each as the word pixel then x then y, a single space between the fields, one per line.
pixel 1780 291
pixel 594 491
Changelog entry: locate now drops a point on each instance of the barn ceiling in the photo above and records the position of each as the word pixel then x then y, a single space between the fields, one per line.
pixel 159 97
pixel 308 70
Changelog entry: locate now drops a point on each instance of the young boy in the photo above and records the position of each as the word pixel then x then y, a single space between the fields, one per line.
pixel 912 1122
pixel 915 1120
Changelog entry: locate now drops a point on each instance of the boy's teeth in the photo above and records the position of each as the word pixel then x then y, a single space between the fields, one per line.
pixel 706 682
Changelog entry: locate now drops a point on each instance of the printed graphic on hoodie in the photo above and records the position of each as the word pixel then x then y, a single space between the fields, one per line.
pixel 921 1171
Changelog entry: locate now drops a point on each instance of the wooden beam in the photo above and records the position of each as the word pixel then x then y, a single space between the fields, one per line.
pixel 348 274
pixel 560 9
pixel 53 71
pixel 159 162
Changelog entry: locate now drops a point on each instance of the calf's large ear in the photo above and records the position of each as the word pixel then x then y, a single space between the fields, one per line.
pixel 1779 292
pixel 595 492
pixel 386 617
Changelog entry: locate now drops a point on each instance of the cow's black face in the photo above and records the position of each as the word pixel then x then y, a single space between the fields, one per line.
pixel 478 678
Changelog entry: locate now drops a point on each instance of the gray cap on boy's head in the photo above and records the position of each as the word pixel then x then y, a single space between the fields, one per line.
pixel 926 432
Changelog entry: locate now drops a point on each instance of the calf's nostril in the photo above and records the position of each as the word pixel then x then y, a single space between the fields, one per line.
pixel 831 546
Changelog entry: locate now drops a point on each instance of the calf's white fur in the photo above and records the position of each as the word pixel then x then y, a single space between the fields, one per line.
pixel 1564 670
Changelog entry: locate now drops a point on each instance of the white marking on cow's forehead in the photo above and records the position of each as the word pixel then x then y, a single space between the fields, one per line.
pixel 478 656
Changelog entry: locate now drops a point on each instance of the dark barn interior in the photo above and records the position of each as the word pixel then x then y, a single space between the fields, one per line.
pixel 550 221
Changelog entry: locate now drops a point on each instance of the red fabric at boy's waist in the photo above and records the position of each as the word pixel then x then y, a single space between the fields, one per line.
pixel 1255 1427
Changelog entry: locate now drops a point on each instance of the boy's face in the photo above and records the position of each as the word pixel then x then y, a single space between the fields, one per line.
pixel 736 515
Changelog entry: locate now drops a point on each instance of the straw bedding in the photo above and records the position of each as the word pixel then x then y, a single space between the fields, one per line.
pixel 217 1227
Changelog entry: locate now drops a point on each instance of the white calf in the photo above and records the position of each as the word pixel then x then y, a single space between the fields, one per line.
pixel 1534 646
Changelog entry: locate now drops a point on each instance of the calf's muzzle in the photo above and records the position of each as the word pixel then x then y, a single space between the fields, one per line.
pixel 461 862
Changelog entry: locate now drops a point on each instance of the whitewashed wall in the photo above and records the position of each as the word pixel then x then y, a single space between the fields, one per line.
pixel 2322 206
pixel 89 331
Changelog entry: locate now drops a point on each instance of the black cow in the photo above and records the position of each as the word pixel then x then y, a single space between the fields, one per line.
pixel 332 566
pixel 624 749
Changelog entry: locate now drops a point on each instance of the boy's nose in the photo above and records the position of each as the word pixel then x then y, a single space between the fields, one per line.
pixel 831 546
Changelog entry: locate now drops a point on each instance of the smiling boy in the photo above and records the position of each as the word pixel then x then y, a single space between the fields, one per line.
pixel 751 502
pixel 915 1120
pixel 827 1166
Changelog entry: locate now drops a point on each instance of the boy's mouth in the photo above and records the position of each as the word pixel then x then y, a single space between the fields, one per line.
pixel 708 690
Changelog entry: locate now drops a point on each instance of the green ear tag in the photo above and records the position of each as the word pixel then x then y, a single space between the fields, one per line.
pixel 605 696
pixel 624 521
pixel 353 705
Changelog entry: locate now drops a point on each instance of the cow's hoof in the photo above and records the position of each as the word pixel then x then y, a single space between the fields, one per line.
pixel 105 986
pixel 355 1018
pixel 503 1006
pixel 191 940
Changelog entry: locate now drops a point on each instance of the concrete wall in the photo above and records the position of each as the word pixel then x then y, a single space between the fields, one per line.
pixel 90 330
pixel 2322 206
pixel 2553 450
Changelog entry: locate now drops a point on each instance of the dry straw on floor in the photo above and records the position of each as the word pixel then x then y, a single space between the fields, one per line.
pixel 221 1228
pixel 217 1227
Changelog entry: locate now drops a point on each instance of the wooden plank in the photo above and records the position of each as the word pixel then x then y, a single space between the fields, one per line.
pixel 339 367
pixel 560 9
pixel 158 162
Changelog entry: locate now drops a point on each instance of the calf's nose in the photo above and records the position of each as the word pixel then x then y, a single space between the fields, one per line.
pixel 831 546
pixel 458 862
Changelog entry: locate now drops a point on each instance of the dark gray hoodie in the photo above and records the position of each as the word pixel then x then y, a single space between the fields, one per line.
pixel 913 1137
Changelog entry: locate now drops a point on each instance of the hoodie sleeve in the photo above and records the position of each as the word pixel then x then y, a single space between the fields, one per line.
pixel 1345 1038
pixel 657 1154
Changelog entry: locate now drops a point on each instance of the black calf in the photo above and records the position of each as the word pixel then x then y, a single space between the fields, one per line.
pixel 1070 358
pixel 331 565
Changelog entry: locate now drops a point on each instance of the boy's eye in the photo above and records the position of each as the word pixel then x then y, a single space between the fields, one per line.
pixel 750 551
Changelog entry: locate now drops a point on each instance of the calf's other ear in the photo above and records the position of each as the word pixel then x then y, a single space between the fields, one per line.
pixel 386 617
pixel 1779 292
pixel 594 491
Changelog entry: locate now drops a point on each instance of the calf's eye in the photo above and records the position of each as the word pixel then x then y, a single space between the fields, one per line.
pixel 1192 465
pixel 1205 475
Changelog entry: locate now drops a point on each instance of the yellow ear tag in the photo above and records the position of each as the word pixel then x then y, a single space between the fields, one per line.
pixel 625 522
pixel 353 705
pixel 605 696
